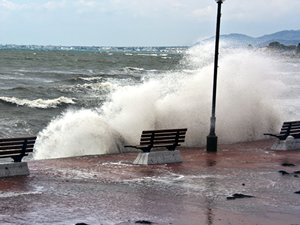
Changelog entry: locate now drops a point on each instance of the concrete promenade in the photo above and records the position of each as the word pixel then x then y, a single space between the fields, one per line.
pixel 110 189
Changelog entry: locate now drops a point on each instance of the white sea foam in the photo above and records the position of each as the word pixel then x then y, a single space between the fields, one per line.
pixel 39 103
pixel 133 69
pixel 247 88
pixel 13 194
pixel 96 86
pixel 17 194
pixel 90 78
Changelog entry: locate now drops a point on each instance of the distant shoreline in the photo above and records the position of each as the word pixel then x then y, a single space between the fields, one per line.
pixel 88 48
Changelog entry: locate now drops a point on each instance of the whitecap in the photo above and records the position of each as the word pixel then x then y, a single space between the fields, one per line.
pixel 133 69
pixel 96 86
pixel 39 103
pixel 90 78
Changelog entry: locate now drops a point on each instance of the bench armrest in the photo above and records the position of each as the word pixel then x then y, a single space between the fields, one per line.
pixel 130 146
pixel 279 136
pixel 275 135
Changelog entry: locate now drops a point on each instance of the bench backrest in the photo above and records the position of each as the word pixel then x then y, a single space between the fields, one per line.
pixel 161 137
pixel 290 128
pixel 16 147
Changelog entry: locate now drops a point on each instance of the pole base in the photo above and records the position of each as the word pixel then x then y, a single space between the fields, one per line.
pixel 212 143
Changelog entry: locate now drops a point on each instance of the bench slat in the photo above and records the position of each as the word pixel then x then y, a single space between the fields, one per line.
pixel 163 131
pixel 162 139
pixel 15 143
pixel 16 139
pixel 295 128
pixel 16 147
pixel 15 151
pixel 294 131
pixel 162 134
pixel 11 155
pixel 19 148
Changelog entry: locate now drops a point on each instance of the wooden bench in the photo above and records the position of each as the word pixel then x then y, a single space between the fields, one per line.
pixel 169 138
pixel 16 148
pixel 290 128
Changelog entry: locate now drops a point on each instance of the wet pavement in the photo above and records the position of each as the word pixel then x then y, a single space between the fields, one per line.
pixel 109 189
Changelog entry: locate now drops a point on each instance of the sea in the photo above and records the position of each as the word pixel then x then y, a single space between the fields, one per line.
pixel 93 100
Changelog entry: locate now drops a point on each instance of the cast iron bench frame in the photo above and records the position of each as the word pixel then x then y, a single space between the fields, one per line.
pixel 289 128
pixel 16 148
pixel 168 138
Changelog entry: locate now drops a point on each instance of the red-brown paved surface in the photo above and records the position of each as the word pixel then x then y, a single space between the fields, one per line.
pixel 108 189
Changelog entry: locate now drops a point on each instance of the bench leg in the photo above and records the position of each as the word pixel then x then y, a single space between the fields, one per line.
pixel 171 148
pixel 145 150
pixel 17 158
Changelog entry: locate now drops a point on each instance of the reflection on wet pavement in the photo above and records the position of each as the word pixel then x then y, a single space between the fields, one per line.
pixel 111 190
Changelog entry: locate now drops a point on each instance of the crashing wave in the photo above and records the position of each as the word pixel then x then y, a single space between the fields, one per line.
pixel 75 133
pixel 39 103
pixel 247 94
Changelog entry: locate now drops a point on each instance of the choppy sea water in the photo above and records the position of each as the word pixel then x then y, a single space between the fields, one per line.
pixel 38 84
pixel 81 100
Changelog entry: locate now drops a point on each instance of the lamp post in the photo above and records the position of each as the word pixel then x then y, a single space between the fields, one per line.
pixel 212 139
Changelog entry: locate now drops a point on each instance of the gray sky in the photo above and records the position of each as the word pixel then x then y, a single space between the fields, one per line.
pixel 138 22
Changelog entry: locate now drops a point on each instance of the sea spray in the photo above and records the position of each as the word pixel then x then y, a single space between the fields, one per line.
pixel 245 101
pixel 75 133
pixel 133 109
pixel 247 87
pixel 170 102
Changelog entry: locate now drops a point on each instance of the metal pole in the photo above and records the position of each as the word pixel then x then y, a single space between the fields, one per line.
pixel 212 139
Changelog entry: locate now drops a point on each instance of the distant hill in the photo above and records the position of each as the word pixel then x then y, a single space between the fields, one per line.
pixel 287 37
